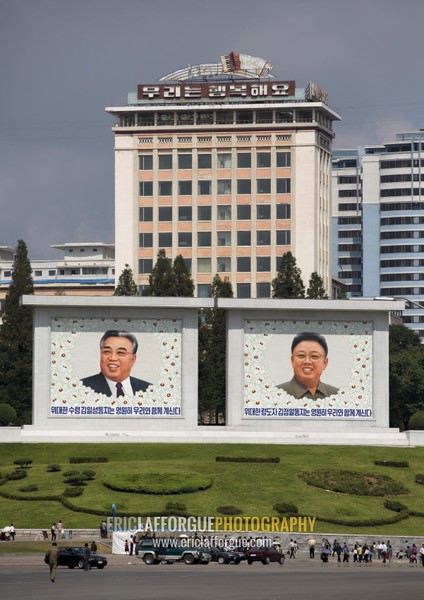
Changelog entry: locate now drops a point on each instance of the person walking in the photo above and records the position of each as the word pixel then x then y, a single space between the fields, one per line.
pixel 51 558
pixel 86 556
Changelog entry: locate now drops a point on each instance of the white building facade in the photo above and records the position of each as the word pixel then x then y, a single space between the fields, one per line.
pixel 230 170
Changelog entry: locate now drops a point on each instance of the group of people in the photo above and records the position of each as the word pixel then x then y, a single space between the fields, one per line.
pixel 8 533
pixel 56 530
pixel 367 553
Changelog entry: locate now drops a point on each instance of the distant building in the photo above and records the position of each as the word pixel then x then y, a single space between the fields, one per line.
pixel 378 222
pixel 85 269
pixel 227 167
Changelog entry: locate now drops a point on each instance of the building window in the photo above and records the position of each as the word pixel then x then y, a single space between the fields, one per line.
pixel 283 186
pixel 263 211
pixel 146 240
pixel 244 186
pixel 243 212
pixel 146 213
pixel 165 161
pixel 184 161
pixel 283 159
pixel 283 211
pixel 263 264
pixel 204 265
pixel 224 212
pixel 204 213
pixel 165 240
pixel 204 238
pixel 224 161
pixel 224 186
pixel 38 273
pixel 283 237
pixel 184 213
pixel 204 161
pixel 243 238
pixel 224 238
pixel 145 265
pixel 204 290
pixel 52 273
pixel 263 160
pixel 263 290
pixel 243 290
pixel 243 264
pixel 223 264
pixel 184 188
pixel 145 162
pixel 263 238
pixel 165 213
pixel 184 239
pixel 146 188
pixel 204 188
pixel 165 188
pixel 263 186
pixel 244 160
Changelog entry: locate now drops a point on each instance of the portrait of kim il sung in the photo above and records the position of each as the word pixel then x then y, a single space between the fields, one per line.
pixel 118 355
pixel 309 359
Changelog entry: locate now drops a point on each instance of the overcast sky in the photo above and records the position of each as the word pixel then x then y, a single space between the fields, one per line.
pixel 63 61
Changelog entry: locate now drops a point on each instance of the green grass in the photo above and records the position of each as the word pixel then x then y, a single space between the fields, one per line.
pixel 253 487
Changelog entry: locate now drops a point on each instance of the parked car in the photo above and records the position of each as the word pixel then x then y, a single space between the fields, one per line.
pixel 169 550
pixel 265 554
pixel 73 556
pixel 225 556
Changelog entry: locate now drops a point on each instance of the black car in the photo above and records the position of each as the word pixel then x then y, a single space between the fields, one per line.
pixel 226 556
pixel 73 556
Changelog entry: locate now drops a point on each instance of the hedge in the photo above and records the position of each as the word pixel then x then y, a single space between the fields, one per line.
pixel 246 459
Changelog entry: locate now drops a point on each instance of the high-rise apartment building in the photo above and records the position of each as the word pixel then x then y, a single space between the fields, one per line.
pixel 228 167
pixel 378 222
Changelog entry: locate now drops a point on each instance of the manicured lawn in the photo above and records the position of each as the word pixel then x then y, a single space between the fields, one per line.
pixel 253 487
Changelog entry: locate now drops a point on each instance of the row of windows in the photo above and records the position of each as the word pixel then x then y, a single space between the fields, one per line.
pixel 350 233
pixel 400 164
pixel 204 239
pixel 401 249
pixel 343 179
pixel 400 192
pixel 204 161
pixel 405 262
pixel 402 291
pixel 401 177
pixel 405 235
pixel 224 187
pixel 204 213
pixel 407 206
pixel 350 260
pixel 348 207
pixel 349 247
pixel 349 194
pixel 349 274
pixel 349 220
pixel 402 277
pixel 73 271
pixel 402 221
pixel 223 264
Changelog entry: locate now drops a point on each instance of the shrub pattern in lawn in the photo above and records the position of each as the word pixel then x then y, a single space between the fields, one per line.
pixel 229 510
pixel 157 483
pixel 352 482
pixel 286 508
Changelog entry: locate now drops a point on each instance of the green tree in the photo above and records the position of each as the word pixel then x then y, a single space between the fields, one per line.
pixel 162 278
pixel 406 375
pixel 212 357
pixel 316 289
pixel 288 283
pixel 7 414
pixel 16 338
pixel 126 284
pixel 184 285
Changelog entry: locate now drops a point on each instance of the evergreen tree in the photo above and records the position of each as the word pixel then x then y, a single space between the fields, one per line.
pixel 288 283
pixel 16 338
pixel 212 357
pixel 162 278
pixel 406 375
pixel 316 289
pixel 126 284
pixel 184 285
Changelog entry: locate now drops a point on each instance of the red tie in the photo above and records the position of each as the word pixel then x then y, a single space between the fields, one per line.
pixel 119 390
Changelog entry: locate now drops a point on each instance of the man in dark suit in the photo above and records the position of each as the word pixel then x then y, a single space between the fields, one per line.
pixel 118 354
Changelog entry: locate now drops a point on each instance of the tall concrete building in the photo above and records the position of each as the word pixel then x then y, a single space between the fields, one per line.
pixel 378 222
pixel 228 167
